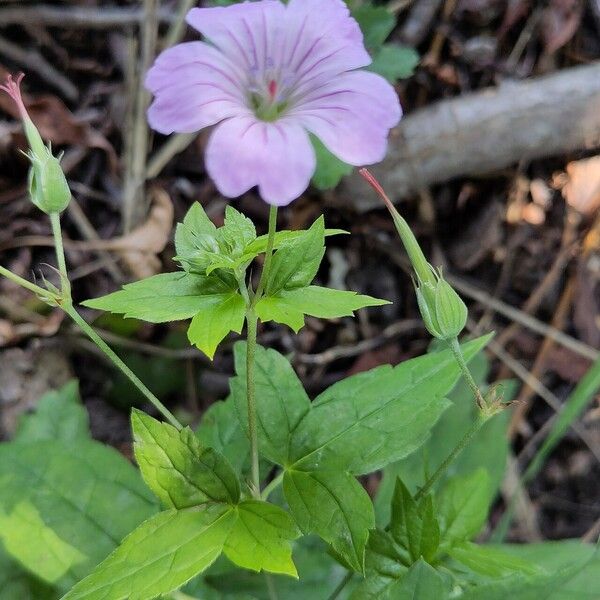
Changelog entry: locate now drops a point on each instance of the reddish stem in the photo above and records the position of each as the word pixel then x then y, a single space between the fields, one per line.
pixel 372 181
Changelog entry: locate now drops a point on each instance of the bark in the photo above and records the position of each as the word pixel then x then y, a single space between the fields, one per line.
pixel 487 131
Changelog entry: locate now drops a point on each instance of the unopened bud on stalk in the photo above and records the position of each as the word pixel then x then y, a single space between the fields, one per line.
pixel 47 183
pixel 442 310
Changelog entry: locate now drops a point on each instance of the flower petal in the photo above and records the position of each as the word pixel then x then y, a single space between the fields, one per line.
pixel 351 115
pixel 194 86
pixel 277 157
pixel 243 32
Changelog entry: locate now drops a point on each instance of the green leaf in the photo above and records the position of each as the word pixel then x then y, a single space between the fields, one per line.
pixel 220 429
pixel 330 169
pixel 560 556
pixel 463 506
pixel 260 538
pixel 487 449
pixel 394 62
pixel 177 468
pixel 281 401
pixel 283 238
pixel 17 584
pixel 295 264
pixel 376 23
pixel 210 326
pixel 401 404
pixel 422 582
pixel 414 526
pixel 159 556
pixel 490 561
pixel 76 502
pixel 196 232
pixel 289 307
pixel 333 505
pixel 237 232
pixel 58 416
pixel 165 297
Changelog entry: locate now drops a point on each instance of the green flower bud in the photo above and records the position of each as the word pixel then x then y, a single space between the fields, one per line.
pixel 442 310
pixel 48 186
pixel 47 183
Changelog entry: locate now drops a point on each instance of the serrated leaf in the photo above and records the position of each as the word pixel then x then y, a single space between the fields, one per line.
pixel 463 506
pixel 296 263
pixel 330 169
pixel 490 561
pixel 177 468
pixel 213 322
pixel 220 429
pixel 237 232
pixel 398 405
pixel 281 401
pixel 58 415
pixel 282 238
pixel 487 449
pixel 422 582
pixel 159 556
pixel 165 297
pixel 290 306
pixel 260 538
pixel 376 23
pixel 86 497
pixel 195 230
pixel 333 505
pixel 394 62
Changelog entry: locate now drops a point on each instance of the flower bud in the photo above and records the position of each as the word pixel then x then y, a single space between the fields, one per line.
pixel 442 310
pixel 48 186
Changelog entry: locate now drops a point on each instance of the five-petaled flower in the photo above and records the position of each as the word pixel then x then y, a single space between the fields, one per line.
pixel 268 74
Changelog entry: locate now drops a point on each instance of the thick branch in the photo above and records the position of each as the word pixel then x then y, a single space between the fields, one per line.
pixel 487 131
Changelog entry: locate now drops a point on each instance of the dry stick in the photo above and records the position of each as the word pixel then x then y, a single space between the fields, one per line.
pixel 527 393
pixel 70 17
pixel 417 24
pixel 133 204
pixel 174 145
pixel 34 61
pixel 487 131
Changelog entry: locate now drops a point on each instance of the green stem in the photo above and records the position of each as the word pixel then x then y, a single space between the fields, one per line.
pixel 60 256
pixel 271 587
pixel 272 486
pixel 89 331
pixel 338 590
pixel 32 287
pixel 268 254
pixel 252 323
pixel 460 359
pixel 481 418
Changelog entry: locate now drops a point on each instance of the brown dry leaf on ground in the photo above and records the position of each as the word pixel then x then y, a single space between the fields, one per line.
pixel 57 124
pixel 582 189
pixel 560 21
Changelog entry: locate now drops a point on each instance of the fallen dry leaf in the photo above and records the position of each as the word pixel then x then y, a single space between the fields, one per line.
pixel 582 188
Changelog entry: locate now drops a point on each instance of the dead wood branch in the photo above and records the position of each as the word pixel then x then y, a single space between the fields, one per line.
pixel 487 131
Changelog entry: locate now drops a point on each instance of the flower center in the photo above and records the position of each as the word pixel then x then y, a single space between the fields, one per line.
pixel 268 98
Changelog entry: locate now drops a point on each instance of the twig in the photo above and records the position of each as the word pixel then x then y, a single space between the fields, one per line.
pixel 177 28
pixel 389 333
pixel 34 61
pixel 174 145
pixel 78 16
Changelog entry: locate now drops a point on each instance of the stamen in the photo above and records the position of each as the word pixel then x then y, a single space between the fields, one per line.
pixel 272 89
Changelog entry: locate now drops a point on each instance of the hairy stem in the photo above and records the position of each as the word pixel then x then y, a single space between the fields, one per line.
pixel 460 359
pixel 481 418
pixel 268 254
pixel 32 287
pixel 89 331
pixel 252 322
pixel 272 486
pixel 60 256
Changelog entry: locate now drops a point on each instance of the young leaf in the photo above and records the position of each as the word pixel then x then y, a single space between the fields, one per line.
pixel 58 415
pixel 394 62
pixel 334 505
pixel 295 264
pixel 177 468
pixel 330 169
pixel 283 238
pixel 260 538
pixel 165 297
pixel 422 582
pixel 237 232
pixel 193 233
pixel 86 497
pixel 463 506
pixel 290 306
pixel 211 324
pixel 401 404
pixel 159 556
pixel 281 400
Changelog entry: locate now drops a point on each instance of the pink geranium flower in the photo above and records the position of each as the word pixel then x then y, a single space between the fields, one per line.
pixel 268 74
